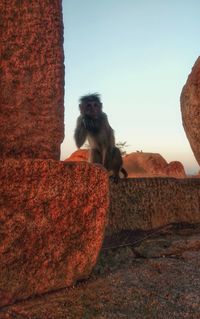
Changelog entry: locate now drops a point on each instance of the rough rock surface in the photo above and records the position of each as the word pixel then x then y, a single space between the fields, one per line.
pixel 79 156
pixel 148 203
pixel 52 220
pixel 31 79
pixel 139 164
pixel 125 285
pixel 190 109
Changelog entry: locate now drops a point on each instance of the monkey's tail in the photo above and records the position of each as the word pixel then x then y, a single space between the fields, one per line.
pixel 124 172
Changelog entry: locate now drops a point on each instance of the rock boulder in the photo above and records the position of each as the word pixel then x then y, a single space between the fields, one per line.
pixel 52 220
pixel 144 164
pixel 79 156
pixel 190 109
pixel 139 164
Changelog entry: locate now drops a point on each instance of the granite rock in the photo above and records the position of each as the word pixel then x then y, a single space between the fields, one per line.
pixel 79 156
pixel 52 221
pixel 149 203
pixel 31 79
pixel 123 285
pixel 142 164
pixel 190 109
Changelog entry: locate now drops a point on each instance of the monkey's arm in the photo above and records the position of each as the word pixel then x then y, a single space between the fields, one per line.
pixel 109 130
pixel 80 133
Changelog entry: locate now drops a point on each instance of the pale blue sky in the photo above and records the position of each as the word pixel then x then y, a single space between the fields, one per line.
pixel 137 55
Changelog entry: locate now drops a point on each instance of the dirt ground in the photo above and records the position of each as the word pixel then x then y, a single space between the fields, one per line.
pixel 152 275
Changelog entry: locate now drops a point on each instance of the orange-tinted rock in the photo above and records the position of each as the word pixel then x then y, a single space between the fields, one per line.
pixel 78 156
pixel 31 79
pixel 52 220
pixel 139 164
pixel 149 203
pixel 190 109
pixel 175 169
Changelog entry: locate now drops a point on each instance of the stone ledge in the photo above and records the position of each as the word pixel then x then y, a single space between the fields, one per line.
pixel 148 203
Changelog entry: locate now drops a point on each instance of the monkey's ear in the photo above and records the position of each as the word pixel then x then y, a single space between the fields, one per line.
pixel 101 105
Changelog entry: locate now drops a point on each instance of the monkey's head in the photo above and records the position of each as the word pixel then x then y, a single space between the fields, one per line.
pixel 90 105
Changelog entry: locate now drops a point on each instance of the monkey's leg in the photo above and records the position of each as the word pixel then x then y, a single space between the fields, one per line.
pixel 124 172
pixel 115 177
pixel 107 159
pixel 116 163
pixel 116 160
pixel 95 156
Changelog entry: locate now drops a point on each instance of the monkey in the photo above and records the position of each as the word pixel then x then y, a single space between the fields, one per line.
pixel 92 124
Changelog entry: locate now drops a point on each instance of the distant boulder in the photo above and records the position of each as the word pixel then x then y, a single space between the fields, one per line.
pixel 175 169
pixel 78 156
pixel 139 164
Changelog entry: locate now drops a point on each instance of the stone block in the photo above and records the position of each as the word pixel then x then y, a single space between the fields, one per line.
pixel 52 221
pixel 31 79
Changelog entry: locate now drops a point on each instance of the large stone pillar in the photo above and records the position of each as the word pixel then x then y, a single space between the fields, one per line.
pixel 31 79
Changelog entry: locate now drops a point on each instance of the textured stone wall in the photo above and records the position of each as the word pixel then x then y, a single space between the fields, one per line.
pixel 190 109
pixel 31 79
pixel 147 203
pixel 52 222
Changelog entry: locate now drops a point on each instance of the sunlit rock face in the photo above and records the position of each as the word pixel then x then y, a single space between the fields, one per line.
pixel 190 109
pixel 175 169
pixel 52 220
pixel 79 155
pixel 139 164
pixel 32 79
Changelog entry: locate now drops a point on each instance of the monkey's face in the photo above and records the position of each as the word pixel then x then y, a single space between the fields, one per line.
pixel 91 109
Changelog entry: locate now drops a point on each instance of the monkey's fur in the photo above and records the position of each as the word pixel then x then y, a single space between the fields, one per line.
pixel 92 124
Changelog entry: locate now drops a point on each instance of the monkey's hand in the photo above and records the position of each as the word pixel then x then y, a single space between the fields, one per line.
pixel 89 124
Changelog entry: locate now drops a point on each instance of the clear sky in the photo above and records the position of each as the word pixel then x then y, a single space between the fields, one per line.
pixel 137 55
